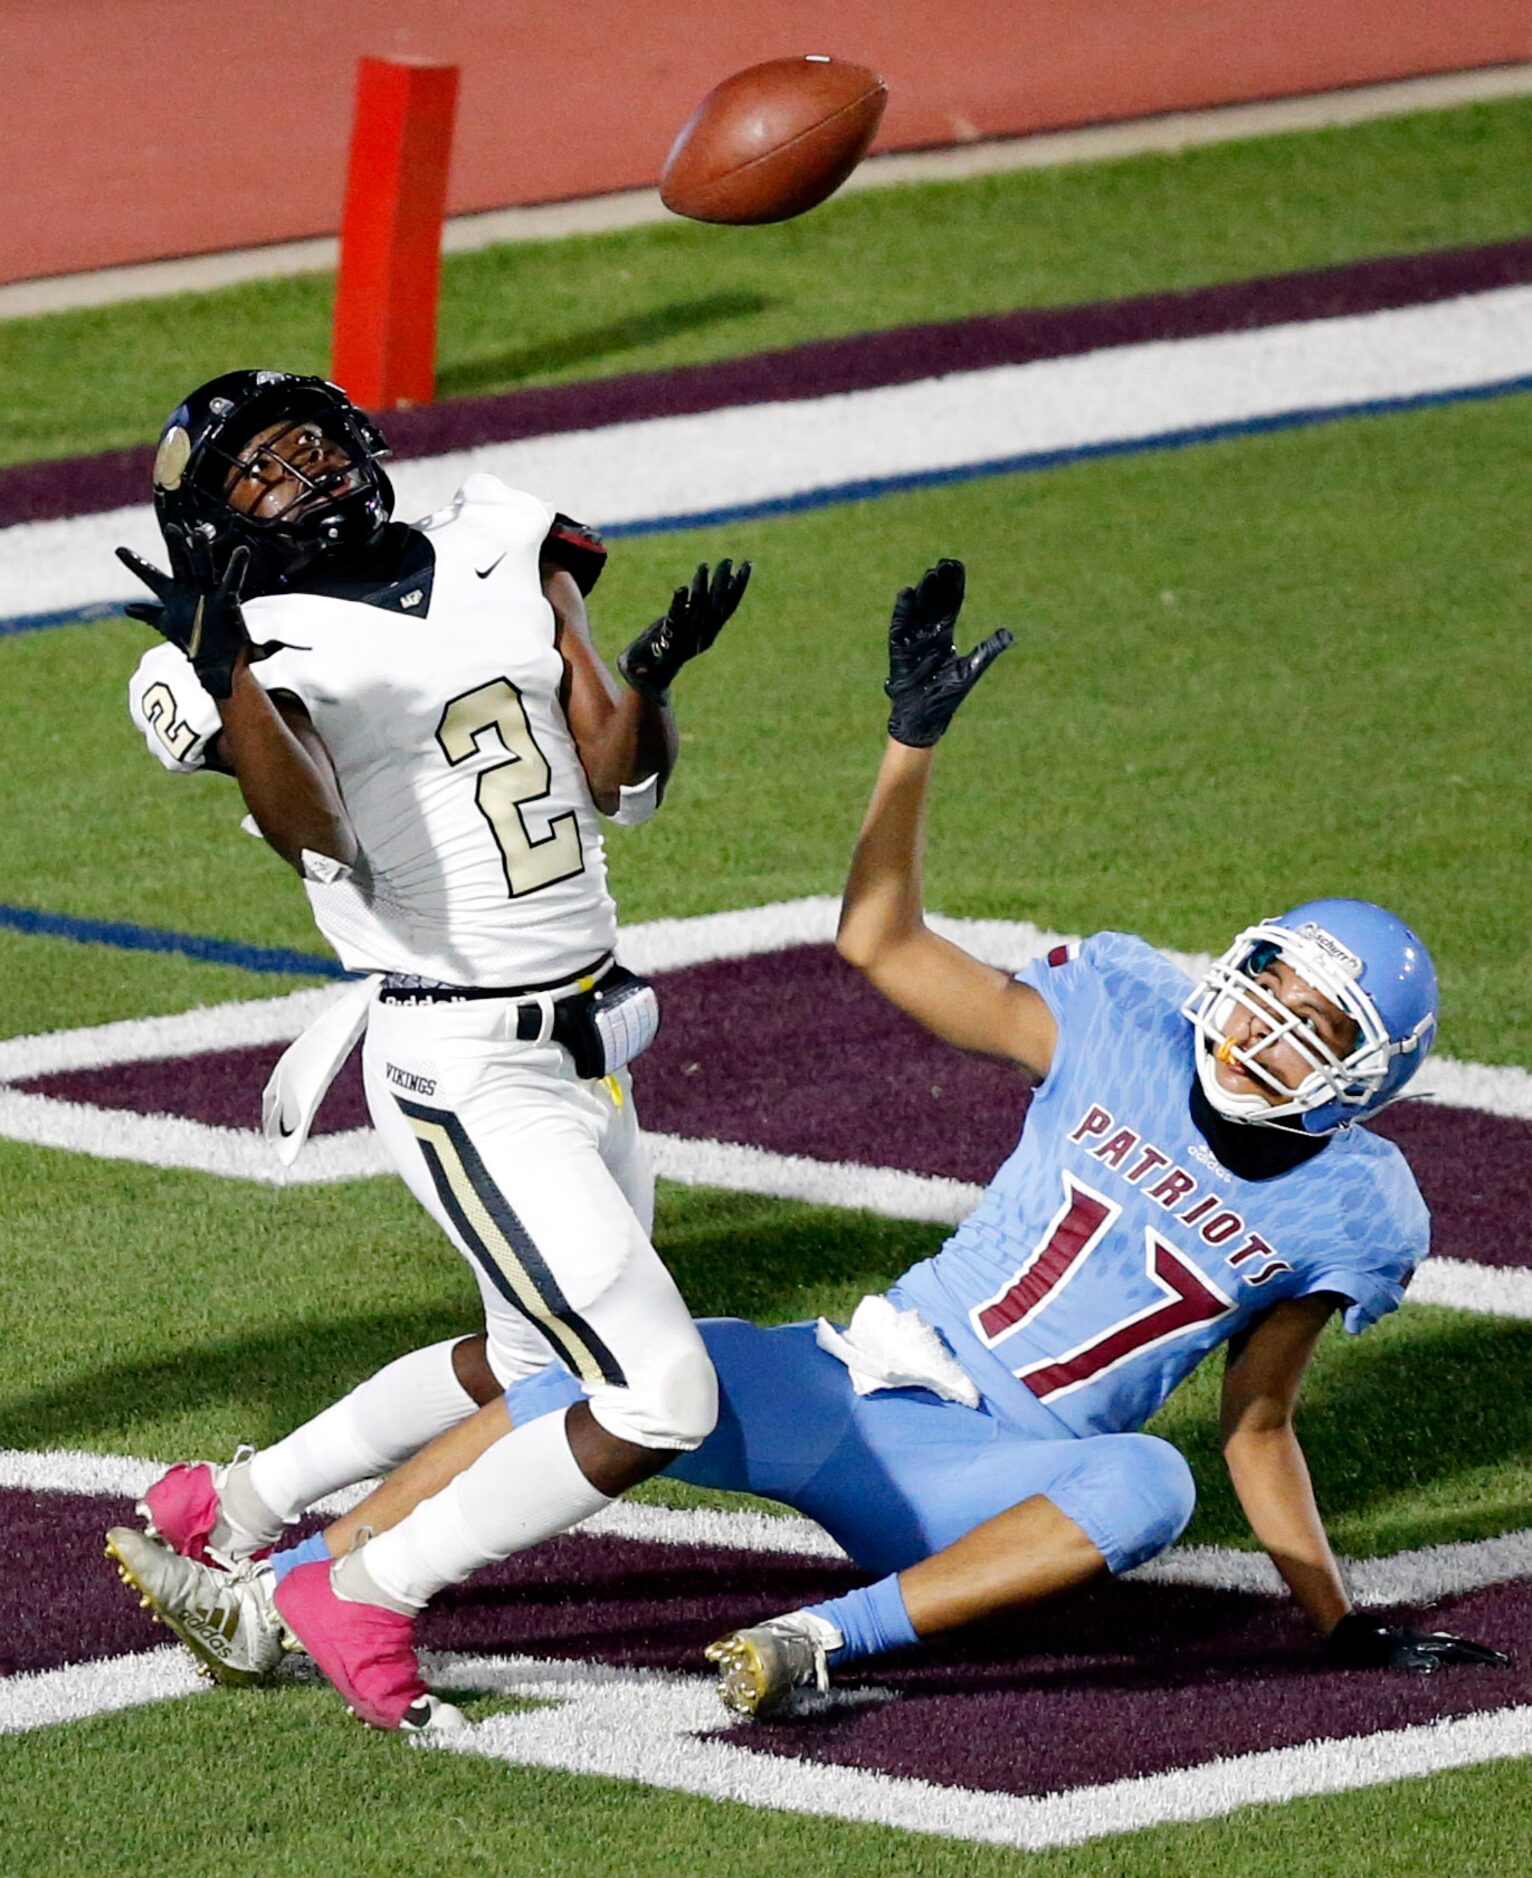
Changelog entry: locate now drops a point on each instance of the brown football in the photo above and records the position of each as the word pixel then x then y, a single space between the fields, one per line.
pixel 773 140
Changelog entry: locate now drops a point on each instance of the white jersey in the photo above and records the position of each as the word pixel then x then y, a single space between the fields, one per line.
pixel 482 860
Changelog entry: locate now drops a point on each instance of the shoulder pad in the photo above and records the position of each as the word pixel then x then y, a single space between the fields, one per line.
pixel 520 511
pixel 576 548
pixel 176 716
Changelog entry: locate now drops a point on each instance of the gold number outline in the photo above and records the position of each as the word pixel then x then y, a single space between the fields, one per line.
pixel 501 791
pixel 177 734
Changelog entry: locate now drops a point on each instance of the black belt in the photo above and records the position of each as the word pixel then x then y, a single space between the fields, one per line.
pixel 565 1012
pixel 405 988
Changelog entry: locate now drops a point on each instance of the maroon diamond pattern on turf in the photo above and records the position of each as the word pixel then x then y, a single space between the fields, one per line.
pixel 1127 1679
pixel 792 1051
pixel 61 1600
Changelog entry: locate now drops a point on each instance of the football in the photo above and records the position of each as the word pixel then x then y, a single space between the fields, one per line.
pixel 773 140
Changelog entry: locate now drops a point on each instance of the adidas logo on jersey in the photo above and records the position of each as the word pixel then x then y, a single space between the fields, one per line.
pixel 1204 1156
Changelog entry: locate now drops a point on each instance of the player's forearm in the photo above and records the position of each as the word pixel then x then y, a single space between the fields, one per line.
pixel 637 740
pixel 296 804
pixel 1271 1478
pixel 882 907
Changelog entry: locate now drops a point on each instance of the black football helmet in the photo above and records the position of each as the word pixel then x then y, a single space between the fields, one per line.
pixel 204 450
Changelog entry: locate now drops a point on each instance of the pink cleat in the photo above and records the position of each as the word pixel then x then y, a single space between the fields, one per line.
pixel 181 1509
pixel 185 1509
pixel 366 1650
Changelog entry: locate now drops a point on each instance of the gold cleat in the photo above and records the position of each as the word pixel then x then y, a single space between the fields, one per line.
pixel 225 1619
pixel 760 1670
pixel 742 1679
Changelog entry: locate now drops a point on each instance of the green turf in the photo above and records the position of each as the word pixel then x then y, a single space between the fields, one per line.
pixel 273 1785
pixel 51 984
pixel 677 294
pixel 1248 673
pixel 220 1312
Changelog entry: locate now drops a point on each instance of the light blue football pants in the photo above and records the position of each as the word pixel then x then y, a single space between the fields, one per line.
pixel 899 1474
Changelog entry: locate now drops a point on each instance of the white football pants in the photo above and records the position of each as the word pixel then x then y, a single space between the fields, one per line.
pixel 543 1183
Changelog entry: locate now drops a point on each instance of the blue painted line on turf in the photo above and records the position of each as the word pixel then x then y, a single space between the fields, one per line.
pixel 66 616
pixel 869 489
pixel 130 938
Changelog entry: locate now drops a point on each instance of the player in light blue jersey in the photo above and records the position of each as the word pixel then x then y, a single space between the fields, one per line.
pixel 1191 1174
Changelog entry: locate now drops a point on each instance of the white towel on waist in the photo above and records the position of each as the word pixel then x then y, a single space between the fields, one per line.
pixel 886 1348
pixel 309 1065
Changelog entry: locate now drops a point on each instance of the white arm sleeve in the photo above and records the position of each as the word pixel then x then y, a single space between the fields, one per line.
pixel 177 717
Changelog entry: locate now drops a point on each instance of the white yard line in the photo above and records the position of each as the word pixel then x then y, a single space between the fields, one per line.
pixel 1494 1291
pixel 51 1696
pixel 671 468
pixel 667 1731
pixel 630 208
pixel 185 1033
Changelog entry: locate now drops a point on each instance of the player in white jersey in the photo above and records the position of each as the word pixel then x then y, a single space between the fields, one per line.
pixel 419 723
pixel 1188 1177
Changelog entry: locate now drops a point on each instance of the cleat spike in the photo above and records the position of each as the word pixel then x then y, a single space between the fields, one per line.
pixel 760 1668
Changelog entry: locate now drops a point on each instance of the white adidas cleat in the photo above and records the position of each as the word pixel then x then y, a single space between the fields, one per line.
pixel 760 1670
pixel 226 1619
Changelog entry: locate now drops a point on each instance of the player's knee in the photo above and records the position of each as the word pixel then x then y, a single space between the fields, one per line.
pixel 1154 1499
pixel 688 1397
pixel 471 1367
pixel 673 1405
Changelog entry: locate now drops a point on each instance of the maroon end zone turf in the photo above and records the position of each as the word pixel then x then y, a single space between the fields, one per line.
pixel 812 1061
pixel 1124 1680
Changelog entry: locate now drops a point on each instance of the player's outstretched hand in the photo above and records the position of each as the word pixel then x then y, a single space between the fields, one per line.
pixel 1361 1642
pixel 927 677
pixel 194 607
pixel 694 620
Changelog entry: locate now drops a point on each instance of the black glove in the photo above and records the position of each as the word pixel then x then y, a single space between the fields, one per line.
pixel 696 616
pixel 194 607
pixel 1361 1642
pixel 927 680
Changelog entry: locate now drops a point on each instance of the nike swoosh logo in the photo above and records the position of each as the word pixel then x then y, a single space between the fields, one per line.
pixel 485 572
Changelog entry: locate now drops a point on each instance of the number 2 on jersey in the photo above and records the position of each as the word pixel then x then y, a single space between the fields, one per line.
pixel 1186 1296
pixel 505 789
pixel 175 732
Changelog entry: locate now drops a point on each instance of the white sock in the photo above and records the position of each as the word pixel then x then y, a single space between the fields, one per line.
pixel 524 1489
pixel 381 1423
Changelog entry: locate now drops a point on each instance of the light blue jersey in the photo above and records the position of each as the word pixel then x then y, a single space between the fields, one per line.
pixel 1112 1251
